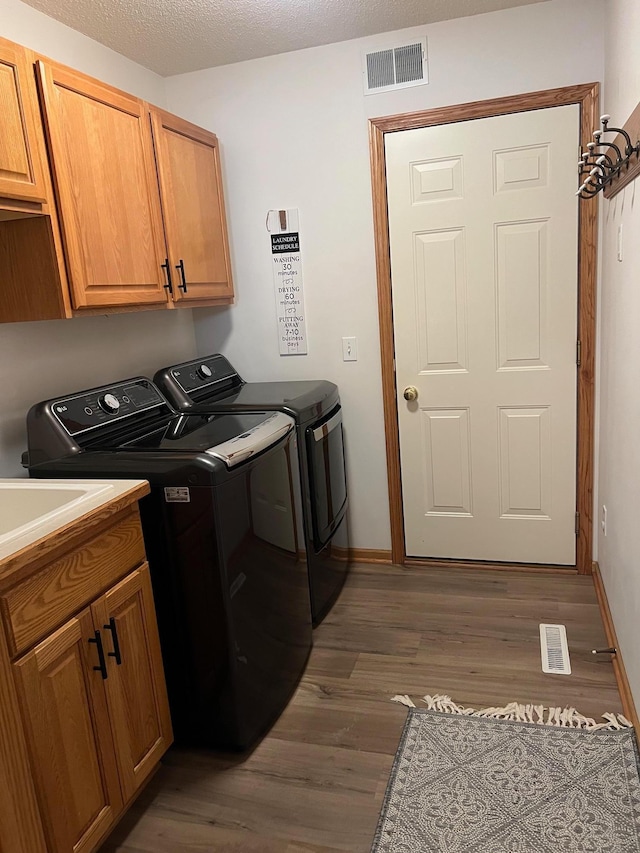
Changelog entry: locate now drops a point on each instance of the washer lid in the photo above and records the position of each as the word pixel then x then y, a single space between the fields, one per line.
pixel 203 433
pixel 253 441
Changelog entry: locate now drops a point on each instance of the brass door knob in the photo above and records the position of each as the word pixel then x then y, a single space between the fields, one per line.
pixel 410 393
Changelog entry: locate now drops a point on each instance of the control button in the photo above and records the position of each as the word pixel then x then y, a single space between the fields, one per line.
pixel 109 403
pixel 88 410
pixel 126 399
pixel 204 372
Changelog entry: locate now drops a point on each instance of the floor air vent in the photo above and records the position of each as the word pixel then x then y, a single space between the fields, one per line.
pixel 395 68
pixel 554 649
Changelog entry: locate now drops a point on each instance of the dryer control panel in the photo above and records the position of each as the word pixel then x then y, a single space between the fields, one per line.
pixel 203 373
pixel 208 378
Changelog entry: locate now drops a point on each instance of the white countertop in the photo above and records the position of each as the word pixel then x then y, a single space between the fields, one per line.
pixel 31 510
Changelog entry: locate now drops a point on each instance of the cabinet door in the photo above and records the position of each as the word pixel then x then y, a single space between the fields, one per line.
pixel 135 688
pixel 21 143
pixel 69 737
pixel 188 160
pixel 20 824
pixel 104 173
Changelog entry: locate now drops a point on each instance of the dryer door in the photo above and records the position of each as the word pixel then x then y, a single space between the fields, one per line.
pixel 327 475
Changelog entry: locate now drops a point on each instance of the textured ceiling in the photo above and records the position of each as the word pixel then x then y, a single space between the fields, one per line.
pixel 174 36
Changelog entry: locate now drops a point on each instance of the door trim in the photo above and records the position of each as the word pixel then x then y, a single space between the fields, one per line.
pixel 586 96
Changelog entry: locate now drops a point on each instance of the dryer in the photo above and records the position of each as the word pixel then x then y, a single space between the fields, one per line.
pixel 224 537
pixel 211 385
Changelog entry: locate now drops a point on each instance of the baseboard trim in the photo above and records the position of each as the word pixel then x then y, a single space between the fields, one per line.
pixel 620 672
pixel 363 555
pixel 492 567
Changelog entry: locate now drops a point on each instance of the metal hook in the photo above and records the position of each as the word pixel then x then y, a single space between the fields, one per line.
pixel 596 162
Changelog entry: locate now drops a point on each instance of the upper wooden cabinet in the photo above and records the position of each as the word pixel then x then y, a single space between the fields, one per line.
pixel 107 204
pixel 21 167
pixel 188 164
pixel 105 182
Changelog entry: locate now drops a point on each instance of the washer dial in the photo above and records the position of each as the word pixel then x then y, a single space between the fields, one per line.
pixel 109 403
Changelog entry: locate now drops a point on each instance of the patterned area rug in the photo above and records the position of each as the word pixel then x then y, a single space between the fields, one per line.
pixel 520 779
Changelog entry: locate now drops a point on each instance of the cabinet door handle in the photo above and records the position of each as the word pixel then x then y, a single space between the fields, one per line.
pixel 102 666
pixel 167 271
pixel 180 268
pixel 114 638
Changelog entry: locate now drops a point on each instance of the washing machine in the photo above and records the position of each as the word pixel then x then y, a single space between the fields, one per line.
pixel 224 536
pixel 211 385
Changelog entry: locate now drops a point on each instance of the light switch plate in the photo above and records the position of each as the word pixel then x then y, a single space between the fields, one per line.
pixel 349 349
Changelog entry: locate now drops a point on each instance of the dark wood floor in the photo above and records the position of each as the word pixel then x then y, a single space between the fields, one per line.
pixel 315 784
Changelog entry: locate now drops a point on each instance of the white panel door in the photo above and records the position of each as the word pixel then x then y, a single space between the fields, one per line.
pixel 484 245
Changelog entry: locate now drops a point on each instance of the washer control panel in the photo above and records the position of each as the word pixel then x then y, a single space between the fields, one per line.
pixel 102 405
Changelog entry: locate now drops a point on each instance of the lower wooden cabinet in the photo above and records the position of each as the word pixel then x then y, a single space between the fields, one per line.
pixel 135 688
pixel 69 737
pixel 84 715
pixel 95 712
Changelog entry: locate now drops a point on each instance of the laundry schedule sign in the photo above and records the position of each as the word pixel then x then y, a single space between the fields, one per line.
pixel 287 278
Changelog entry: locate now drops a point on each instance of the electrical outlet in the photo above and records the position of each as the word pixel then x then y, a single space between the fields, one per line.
pixel 349 349
pixel 603 520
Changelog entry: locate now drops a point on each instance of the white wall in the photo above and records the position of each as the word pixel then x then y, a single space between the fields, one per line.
pixel 27 26
pixel 294 131
pixel 40 360
pixel 619 462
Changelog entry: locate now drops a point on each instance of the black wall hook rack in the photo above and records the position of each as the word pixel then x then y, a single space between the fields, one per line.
pixel 609 164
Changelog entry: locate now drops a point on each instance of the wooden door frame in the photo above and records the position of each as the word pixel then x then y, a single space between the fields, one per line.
pixel 586 96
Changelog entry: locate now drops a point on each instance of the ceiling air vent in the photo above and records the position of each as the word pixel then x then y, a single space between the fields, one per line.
pixel 395 68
